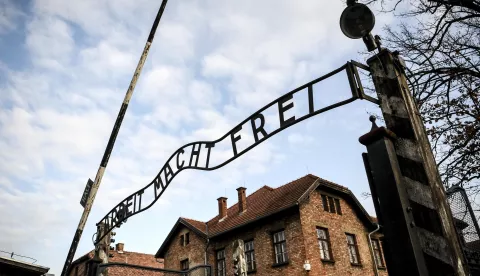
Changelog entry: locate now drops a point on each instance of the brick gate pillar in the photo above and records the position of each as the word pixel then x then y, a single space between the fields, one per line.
pixel 408 194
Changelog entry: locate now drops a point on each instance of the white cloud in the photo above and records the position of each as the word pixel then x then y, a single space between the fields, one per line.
pixel 297 138
pixel 9 13
pixel 210 66
pixel 50 42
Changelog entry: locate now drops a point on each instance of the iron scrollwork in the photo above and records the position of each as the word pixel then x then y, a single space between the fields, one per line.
pixel 180 161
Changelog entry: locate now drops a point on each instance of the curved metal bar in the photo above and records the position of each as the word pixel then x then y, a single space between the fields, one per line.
pixel 120 212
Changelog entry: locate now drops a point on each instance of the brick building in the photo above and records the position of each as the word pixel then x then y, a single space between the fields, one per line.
pixel 82 265
pixel 307 220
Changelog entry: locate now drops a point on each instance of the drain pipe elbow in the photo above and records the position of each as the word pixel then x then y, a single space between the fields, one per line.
pixel 375 265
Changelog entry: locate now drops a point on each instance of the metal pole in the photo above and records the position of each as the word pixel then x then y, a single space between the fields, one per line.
pixel 111 142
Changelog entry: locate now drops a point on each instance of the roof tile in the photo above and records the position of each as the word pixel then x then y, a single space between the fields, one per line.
pixel 263 202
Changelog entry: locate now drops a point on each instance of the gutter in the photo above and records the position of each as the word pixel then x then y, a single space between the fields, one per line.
pixel 375 265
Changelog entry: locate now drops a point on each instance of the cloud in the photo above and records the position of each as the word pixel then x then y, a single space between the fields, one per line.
pixel 297 138
pixel 211 65
pixel 9 14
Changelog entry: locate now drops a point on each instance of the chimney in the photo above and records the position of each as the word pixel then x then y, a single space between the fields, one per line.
pixel 222 207
pixel 242 199
pixel 119 247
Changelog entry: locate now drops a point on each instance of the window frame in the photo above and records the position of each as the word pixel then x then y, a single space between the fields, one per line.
pixel 182 262
pixel 331 204
pixel 338 207
pixel 380 252
pixel 329 245
pixel 182 240
pixel 218 260
pixel 283 253
pixel 353 246
pixel 252 253
pixel 325 203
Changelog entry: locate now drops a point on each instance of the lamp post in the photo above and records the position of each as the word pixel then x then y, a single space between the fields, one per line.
pixel 408 194
pixel 111 142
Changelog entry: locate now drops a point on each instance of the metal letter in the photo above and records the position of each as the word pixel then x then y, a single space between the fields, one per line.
pixel 235 139
pixel 195 153
pixel 158 182
pixel 140 193
pixel 209 146
pixel 282 109
pixel 129 203
pixel 258 129
pixel 168 172
pixel 180 166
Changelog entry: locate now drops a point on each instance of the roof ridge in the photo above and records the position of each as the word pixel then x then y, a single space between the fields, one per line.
pixel 296 180
pixel 184 218
pixel 333 183
pixel 141 253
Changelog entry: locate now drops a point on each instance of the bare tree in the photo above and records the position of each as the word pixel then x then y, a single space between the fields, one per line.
pixel 441 46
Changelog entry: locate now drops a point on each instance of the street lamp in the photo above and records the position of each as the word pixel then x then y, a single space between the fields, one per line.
pixel 357 21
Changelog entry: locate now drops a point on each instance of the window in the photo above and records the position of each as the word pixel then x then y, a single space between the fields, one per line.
pixel 331 204
pixel 184 265
pixel 76 270
pixel 377 253
pixel 250 256
pixel 324 244
pixel 337 205
pixel 182 240
pixel 353 249
pixel 325 203
pixel 221 269
pixel 185 239
pixel 280 247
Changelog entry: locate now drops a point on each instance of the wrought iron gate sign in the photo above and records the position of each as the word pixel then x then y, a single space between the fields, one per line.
pixel 200 152
pixel 86 192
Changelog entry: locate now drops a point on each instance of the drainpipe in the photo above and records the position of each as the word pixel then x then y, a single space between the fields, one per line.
pixel 208 241
pixel 375 267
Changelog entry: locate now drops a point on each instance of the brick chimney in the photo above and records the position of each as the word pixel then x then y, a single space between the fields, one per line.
pixel 119 247
pixel 222 207
pixel 242 199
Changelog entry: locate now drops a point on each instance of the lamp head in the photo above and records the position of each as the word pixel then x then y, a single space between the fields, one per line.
pixel 357 20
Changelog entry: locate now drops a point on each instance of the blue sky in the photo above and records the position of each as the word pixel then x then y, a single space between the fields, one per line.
pixel 64 70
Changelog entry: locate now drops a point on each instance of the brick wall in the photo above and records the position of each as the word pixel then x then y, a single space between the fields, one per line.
pixel 82 269
pixel 194 251
pixel 312 216
pixel 264 252
pixel 299 224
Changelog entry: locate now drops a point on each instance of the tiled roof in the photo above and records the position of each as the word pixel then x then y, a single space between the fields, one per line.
pixel 264 202
pixel 135 258
pixel 199 225
pixel 132 258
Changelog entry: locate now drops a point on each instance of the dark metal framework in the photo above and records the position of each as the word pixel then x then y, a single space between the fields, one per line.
pixel 466 224
pixel 201 270
pixel 132 205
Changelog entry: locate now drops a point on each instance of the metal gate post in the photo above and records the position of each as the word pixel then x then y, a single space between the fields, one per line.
pixel 406 179
pixel 392 205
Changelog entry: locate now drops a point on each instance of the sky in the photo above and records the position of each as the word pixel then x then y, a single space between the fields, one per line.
pixel 64 70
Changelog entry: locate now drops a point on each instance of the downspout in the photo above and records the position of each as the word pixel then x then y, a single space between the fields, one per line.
pixel 208 241
pixel 375 267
